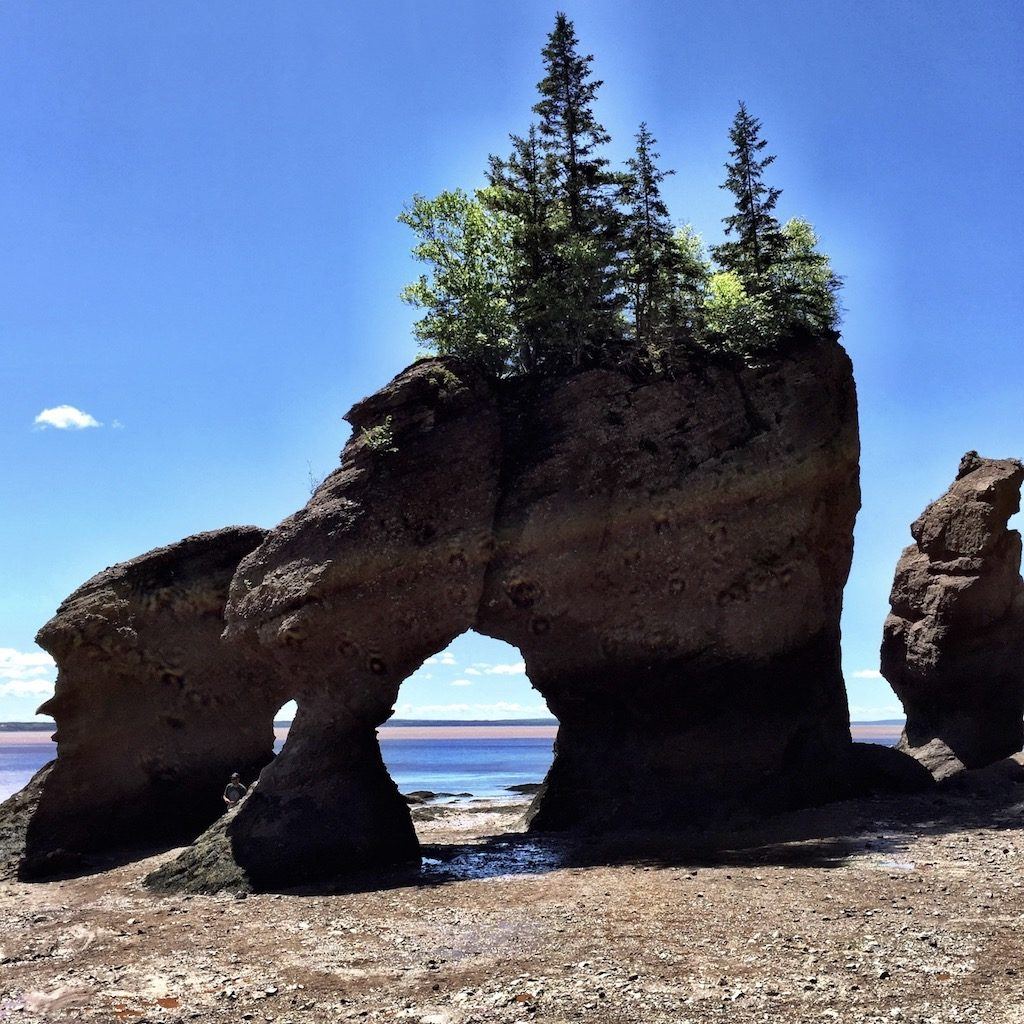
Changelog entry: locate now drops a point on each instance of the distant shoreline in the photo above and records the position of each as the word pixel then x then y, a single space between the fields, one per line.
pixel 397 730
pixel 433 723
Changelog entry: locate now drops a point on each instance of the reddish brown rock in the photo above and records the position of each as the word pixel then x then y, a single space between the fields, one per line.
pixel 953 644
pixel 153 709
pixel 668 555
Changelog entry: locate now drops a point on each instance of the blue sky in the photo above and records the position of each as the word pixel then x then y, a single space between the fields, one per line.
pixel 199 251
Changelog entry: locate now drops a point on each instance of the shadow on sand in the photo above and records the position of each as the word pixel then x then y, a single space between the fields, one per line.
pixel 821 837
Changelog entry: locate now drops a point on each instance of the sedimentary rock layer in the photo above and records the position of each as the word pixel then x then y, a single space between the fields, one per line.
pixel 668 555
pixel 153 709
pixel 953 644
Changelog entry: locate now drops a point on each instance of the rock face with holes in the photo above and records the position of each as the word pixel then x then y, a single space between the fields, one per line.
pixel 668 555
pixel 953 645
pixel 153 709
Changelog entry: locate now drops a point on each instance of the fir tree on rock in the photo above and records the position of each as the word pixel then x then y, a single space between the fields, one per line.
pixel 652 255
pixel 759 244
pixel 588 228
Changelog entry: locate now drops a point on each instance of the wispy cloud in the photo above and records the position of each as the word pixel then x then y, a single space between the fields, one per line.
pixel 26 673
pixel 471 671
pixel 65 417
pixel 461 682
pixel 515 668
pixel 499 709
pixel 444 658
pixel 866 673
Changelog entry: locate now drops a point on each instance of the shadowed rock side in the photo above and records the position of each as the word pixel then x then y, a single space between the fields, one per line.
pixel 669 556
pixel 15 814
pixel 670 560
pixel 953 645
pixel 153 709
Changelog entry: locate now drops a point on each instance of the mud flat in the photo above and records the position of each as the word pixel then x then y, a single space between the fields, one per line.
pixel 884 909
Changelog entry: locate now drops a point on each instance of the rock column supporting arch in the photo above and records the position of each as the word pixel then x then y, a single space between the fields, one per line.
pixel 383 568
pixel 670 560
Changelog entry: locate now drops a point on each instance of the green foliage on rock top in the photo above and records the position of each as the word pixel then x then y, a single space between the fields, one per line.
pixel 561 262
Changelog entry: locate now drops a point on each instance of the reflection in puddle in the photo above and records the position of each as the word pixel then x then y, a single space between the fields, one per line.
pixel 492 861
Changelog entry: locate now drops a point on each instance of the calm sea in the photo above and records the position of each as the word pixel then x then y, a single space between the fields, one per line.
pixel 483 766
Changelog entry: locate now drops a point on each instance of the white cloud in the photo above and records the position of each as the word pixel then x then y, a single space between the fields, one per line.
pixel 26 673
pixel 473 671
pixel 499 709
pixel 516 668
pixel 866 673
pixel 65 417
pixel 461 682
pixel 444 658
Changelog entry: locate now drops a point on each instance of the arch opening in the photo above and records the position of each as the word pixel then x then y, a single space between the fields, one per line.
pixel 470 741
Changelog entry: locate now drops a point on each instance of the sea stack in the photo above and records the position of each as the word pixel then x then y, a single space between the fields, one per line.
pixel 153 709
pixel 953 644
pixel 668 554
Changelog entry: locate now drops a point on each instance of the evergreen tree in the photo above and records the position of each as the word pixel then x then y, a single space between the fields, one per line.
pixel 522 189
pixel 691 272
pixel 587 226
pixel 652 257
pixel 759 243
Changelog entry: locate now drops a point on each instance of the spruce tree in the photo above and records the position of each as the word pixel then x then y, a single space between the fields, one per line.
pixel 587 228
pixel 521 187
pixel 651 253
pixel 759 244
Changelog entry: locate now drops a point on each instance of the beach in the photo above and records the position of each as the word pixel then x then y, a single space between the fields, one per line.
pixel 905 909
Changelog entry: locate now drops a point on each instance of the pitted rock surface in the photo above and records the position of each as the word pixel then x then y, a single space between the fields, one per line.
pixel 668 555
pixel 953 644
pixel 153 709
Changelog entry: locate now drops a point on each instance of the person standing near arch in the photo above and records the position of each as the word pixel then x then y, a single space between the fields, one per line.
pixel 234 791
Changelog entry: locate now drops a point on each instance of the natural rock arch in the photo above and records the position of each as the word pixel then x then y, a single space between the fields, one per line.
pixel 668 555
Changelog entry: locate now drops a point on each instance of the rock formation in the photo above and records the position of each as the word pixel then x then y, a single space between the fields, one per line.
pixel 953 645
pixel 669 555
pixel 153 709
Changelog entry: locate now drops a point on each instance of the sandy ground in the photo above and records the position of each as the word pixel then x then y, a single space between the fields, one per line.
pixel 890 909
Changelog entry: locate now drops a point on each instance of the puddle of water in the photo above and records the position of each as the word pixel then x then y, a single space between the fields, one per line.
pixel 493 861
pixel 897 865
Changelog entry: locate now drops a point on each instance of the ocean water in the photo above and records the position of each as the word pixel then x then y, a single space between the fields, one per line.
pixel 484 767
pixel 20 761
